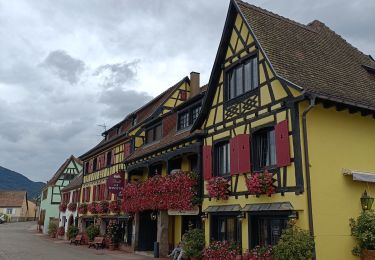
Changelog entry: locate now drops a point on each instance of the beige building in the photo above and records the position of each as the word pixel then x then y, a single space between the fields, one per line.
pixel 15 205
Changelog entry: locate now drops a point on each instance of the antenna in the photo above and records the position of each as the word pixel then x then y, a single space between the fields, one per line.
pixel 104 127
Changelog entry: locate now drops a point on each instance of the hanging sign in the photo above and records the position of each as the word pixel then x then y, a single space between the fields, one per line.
pixel 173 212
pixel 115 183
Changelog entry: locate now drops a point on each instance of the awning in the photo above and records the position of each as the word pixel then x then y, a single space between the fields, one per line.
pixel 226 208
pixel 277 206
pixel 360 176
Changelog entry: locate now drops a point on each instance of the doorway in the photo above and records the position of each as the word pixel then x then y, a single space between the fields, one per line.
pixel 147 231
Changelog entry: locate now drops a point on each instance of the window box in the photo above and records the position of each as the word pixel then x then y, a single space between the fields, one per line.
pixel 261 183
pixel 218 188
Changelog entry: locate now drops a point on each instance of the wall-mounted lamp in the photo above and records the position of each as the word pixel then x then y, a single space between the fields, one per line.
pixel 241 216
pixel 366 201
pixel 293 215
pixel 154 215
pixel 204 216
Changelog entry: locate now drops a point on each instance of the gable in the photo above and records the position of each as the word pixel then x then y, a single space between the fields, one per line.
pixel 178 96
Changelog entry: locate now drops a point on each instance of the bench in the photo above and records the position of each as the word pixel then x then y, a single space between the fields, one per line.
pixel 77 240
pixel 97 243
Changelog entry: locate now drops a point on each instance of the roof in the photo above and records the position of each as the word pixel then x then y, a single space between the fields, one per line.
pixel 12 198
pixel 75 183
pixel 313 57
pixel 56 176
pixel 142 114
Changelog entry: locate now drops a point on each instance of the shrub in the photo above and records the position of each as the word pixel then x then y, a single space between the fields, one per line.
pixel 92 231
pixel 72 231
pixel 193 243
pixel 294 243
pixel 52 229
pixel 221 250
pixel 363 230
pixel 61 231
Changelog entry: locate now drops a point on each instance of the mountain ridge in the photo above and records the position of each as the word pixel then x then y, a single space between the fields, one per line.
pixel 14 181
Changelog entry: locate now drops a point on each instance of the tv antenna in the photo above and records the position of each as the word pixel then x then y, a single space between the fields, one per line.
pixel 103 126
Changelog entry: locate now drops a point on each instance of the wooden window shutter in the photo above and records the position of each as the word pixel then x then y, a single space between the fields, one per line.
pixel 183 95
pixel 243 142
pixel 127 149
pixel 282 144
pixel 207 162
pixel 233 145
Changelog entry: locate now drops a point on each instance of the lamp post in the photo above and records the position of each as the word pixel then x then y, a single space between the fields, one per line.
pixel 366 201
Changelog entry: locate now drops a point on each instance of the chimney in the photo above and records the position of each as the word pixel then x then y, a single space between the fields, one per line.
pixel 194 83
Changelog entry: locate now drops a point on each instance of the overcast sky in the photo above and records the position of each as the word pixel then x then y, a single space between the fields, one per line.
pixel 68 66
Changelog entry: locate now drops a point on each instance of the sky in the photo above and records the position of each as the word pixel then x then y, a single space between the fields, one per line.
pixel 69 67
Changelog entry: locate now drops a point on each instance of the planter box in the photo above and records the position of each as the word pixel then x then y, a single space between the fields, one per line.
pixel 368 255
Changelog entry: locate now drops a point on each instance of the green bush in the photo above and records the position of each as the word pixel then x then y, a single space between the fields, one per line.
pixel 294 243
pixel 52 229
pixel 193 243
pixel 92 231
pixel 363 230
pixel 72 231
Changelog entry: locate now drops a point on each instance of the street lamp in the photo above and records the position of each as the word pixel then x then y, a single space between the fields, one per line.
pixel 366 201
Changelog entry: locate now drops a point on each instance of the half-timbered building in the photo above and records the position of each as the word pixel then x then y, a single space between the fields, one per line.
pixel 294 102
pixel 167 146
pixel 51 193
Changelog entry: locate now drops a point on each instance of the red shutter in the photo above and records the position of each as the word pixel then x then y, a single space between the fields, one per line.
pixel 91 163
pixel 127 149
pixel 233 145
pixel 282 144
pixel 183 95
pixel 207 162
pixel 243 142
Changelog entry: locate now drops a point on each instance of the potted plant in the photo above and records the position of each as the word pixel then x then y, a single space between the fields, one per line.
pixel 72 206
pixel 82 208
pixel 52 229
pixel 294 243
pixel 193 243
pixel 61 232
pixel 260 253
pixel 72 231
pixel 218 188
pixel 92 231
pixel 260 183
pixel 363 230
pixel 221 250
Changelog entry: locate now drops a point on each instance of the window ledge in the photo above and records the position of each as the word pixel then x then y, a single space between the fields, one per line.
pixel 184 130
pixel 151 144
pixel 239 98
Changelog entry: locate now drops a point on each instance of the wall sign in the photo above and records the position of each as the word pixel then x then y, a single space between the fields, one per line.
pixel 173 212
pixel 115 183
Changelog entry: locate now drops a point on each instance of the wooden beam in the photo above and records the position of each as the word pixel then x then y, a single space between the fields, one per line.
pixel 365 112
pixel 340 107
pixel 328 104
pixel 353 110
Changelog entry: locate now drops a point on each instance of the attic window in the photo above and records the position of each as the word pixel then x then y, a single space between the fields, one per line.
pixel 134 120
pixel 241 78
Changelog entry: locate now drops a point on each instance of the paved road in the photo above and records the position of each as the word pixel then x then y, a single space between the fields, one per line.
pixel 19 241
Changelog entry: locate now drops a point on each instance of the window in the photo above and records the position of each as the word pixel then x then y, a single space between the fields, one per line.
pixel 224 228
pixel 109 158
pixel 86 168
pixel 242 78
pixel 266 229
pixel 183 120
pixel 154 133
pixel 222 159
pixel 9 211
pixel 134 120
pixel 94 165
pixel 263 149
pixel 187 117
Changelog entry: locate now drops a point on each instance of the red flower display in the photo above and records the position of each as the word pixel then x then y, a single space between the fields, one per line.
pixel 72 206
pixel 82 208
pixel 261 253
pixel 63 206
pixel 92 207
pixel 261 183
pixel 102 207
pixel 221 250
pixel 174 191
pixel 61 231
pixel 218 188
pixel 114 207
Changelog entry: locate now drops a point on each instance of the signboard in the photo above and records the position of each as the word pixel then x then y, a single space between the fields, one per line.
pixel 176 212
pixel 115 183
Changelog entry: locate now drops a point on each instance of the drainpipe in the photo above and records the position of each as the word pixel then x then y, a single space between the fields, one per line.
pixel 307 169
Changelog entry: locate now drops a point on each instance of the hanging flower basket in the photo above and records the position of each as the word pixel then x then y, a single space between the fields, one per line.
pixel 72 206
pixel 92 208
pixel 218 188
pixel 82 208
pixel 114 207
pixel 176 191
pixel 221 250
pixel 62 206
pixel 102 207
pixel 261 183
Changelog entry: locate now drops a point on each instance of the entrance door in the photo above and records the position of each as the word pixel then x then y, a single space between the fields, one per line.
pixel 147 231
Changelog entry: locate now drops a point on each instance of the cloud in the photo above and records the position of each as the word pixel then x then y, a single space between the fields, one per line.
pixel 66 67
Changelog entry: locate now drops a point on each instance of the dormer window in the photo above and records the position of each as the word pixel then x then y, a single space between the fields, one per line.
pixel 153 133
pixel 188 116
pixel 241 78
pixel 134 120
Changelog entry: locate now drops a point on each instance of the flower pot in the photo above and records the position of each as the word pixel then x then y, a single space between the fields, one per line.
pixel 368 255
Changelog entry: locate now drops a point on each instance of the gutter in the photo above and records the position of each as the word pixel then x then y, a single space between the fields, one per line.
pixel 307 169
